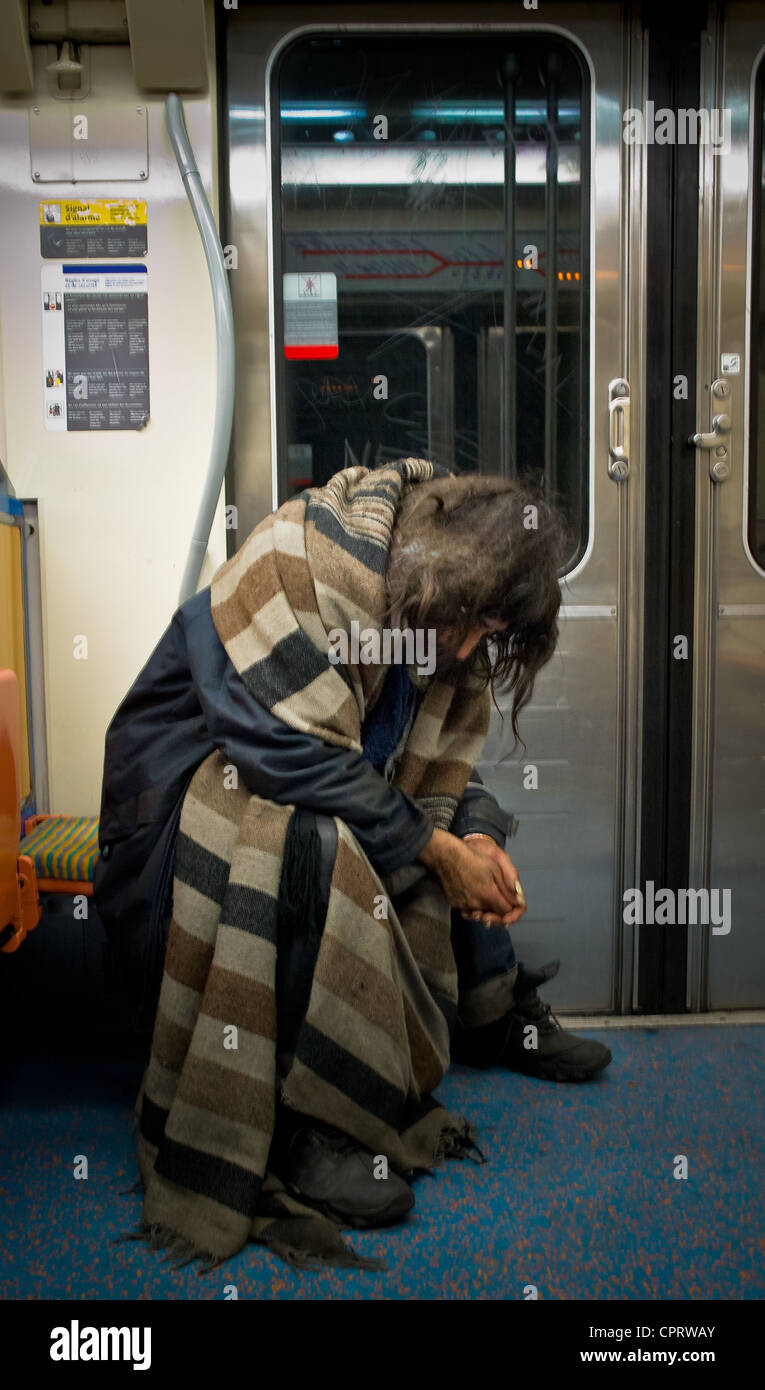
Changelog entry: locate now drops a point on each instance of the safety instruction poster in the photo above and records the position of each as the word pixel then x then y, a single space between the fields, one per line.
pixel 100 228
pixel 310 315
pixel 95 337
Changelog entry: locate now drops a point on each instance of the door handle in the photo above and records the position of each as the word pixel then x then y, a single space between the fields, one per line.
pixel 720 426
pixel 618 429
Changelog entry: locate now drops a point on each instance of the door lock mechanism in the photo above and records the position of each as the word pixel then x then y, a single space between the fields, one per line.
pixel 716 440
pixel 720 426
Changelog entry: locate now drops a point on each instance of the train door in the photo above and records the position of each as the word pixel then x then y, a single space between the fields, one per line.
pixel 728 822
pixel 438 233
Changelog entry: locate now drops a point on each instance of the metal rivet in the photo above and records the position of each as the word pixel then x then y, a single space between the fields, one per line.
pixel 142 174
pixel 35 174
pixel 721 451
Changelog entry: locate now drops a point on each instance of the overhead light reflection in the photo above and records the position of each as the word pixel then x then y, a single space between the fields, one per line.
pixel 319 112
pixel 490 112
pixel 396 165
pixel 454 113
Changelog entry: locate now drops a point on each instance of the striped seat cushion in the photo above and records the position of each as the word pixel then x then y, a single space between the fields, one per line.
pixel 64 847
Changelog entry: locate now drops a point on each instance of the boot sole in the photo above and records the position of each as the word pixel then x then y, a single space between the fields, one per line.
pixel 551 1071
pixel 557 1072
pixel 389 1217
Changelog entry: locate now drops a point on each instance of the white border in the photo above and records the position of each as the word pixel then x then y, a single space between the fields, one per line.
pixel 53 345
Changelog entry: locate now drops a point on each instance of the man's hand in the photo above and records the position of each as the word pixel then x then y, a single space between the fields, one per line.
pixel 484 844
pixel 474 883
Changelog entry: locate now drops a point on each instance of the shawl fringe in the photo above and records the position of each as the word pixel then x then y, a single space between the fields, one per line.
pixel 324 1245
pixel 346 1257
pixel 139 1186
pixel 313 1243
pixel 459 1141
pixel 177 1250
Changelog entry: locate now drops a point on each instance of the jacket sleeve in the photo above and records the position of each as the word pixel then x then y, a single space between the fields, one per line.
pixel 480 813
pixel 290 767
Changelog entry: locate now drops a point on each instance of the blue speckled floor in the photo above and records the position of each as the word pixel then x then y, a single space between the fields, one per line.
pixel 578 1196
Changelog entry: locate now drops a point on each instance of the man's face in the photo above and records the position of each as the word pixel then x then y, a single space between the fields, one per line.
pixel 449 656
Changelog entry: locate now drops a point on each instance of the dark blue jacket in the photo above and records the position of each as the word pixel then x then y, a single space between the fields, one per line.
pixel 189 700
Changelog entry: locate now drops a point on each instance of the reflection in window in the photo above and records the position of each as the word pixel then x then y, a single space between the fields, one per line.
pixel 756 503
pixel 395 154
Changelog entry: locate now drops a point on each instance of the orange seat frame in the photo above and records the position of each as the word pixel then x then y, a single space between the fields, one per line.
pixel 19 890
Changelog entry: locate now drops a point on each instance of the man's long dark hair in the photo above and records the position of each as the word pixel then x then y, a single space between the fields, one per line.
pixel 471 549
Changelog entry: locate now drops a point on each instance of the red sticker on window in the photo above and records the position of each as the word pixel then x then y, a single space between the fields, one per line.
pixel 310 315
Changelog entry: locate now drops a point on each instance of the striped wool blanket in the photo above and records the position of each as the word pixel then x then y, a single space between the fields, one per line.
pixel 375 1040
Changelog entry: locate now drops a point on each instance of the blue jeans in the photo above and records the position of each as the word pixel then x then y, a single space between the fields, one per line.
pixel 486 970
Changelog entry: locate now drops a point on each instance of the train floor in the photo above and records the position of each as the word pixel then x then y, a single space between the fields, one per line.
pixel 582 1195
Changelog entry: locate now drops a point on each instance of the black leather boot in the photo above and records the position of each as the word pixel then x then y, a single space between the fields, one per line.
pixel 557 1056
pixel 328 1170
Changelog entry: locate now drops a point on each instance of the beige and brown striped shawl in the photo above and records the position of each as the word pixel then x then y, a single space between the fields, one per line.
pixel 374 1043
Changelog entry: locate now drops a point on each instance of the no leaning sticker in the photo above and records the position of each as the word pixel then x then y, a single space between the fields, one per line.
pixel 310 315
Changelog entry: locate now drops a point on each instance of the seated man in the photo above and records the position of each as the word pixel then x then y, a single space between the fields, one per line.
pixel 301 870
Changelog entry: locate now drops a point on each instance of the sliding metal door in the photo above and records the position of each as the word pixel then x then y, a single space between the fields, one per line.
pixel 438 230
pixel 727 967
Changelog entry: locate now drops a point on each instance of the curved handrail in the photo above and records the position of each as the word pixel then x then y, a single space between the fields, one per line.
pixel 224 330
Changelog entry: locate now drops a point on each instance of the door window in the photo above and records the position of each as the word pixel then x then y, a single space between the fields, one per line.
pixel 410 170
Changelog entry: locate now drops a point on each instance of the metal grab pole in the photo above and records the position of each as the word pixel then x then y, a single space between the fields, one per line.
pixel 551 278
pixel 509 462
pixel 224 329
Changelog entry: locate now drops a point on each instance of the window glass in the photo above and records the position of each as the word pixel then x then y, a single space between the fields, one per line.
pixel 410 170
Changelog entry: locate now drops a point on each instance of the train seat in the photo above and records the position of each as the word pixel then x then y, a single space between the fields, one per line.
pixel 56 854
pixel 64 850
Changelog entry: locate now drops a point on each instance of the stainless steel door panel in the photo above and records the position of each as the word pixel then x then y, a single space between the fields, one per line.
pixel 728 844
pixel 564 849
pixel 737 959
pixel 576 849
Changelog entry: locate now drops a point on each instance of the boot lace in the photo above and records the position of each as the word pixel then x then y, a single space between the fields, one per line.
pixel 532 1008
